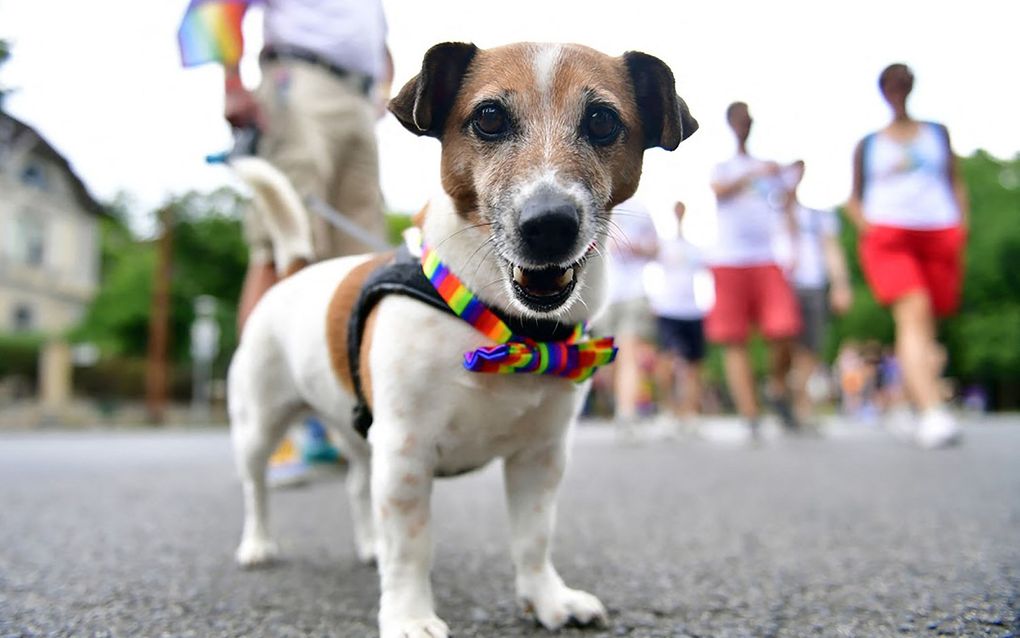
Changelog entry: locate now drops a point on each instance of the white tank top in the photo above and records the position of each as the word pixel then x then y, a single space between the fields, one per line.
pixel 906 184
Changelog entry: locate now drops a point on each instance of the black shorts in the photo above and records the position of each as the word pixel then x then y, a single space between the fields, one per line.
pixel 685 337
pixel 814 313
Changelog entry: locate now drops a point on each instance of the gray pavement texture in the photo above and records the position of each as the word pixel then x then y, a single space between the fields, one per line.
pixel 132 533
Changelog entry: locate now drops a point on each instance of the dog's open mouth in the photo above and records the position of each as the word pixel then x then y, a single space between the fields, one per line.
pixel 545 289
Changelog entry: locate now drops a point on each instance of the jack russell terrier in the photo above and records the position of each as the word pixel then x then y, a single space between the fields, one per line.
pixel 539 142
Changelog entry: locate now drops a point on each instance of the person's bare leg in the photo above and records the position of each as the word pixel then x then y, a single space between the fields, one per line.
pixel 259 278
pixel 804 365
pixel 915 343
pixel 780 364
pixel 627 381
pixel 690 406
pixel 915 346
pixel 740 379
pixel 665 382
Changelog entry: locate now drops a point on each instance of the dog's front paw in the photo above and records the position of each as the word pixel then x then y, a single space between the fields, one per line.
pixel 431 627
pixel 256 551
pixel 563 605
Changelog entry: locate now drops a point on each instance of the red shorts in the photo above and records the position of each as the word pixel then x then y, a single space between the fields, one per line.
pixel 898 261
pixel 747 296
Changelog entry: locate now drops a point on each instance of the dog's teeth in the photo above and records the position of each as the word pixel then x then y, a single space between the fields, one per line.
pixel 565 278
pixel 519 276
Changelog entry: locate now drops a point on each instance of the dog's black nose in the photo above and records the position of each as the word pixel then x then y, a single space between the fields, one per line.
pixel 548 227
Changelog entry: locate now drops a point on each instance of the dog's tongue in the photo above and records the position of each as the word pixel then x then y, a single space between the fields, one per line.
pixel 545 282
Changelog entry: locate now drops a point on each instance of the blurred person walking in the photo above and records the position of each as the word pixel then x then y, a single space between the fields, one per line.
pixel 750 289
pixel 326 73
pixel 681 334
pixel 633 244
pixel 910 207
pixel 821 284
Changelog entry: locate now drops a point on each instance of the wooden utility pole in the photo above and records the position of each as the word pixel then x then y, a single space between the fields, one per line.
pixel 159 322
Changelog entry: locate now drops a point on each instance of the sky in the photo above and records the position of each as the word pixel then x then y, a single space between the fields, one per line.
pixel 101 80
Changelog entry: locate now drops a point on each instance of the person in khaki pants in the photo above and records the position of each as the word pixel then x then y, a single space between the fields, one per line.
pixel 326 73
pixel 321 135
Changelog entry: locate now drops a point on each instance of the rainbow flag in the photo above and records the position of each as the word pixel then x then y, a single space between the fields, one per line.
pixel 211 31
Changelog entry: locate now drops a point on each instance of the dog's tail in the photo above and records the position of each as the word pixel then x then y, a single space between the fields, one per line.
pixel 280 208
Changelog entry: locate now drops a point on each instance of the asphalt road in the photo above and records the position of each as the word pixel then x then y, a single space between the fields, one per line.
pixel 131 533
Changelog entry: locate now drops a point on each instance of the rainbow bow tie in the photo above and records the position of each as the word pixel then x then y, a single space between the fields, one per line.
pixel 573 358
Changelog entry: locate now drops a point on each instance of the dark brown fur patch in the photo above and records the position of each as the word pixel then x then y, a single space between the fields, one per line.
pixel 339 313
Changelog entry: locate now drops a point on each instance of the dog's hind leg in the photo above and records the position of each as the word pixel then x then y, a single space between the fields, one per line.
pixel 359 490
pixel 255 437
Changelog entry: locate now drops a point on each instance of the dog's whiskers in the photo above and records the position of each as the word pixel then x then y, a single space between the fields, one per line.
pixel 462 230
pixel 484 244
pixel 491 283
pixel 488 254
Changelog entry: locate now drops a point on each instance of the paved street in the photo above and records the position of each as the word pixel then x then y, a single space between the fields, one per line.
pixel 130 533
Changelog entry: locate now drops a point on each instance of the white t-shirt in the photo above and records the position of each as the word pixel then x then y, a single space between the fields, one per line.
pixel 813 226
pixel 745 222
pixel 906 184
pixel 631 228
pixel 349 33
pixel 673 295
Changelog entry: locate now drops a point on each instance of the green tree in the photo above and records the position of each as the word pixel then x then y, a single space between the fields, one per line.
pixel 209 258
pixel 984 338
pixel 118 318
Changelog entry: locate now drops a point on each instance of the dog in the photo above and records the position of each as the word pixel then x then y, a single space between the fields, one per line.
pixel 539 142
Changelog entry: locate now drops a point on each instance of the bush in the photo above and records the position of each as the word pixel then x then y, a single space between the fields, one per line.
pixel 19 355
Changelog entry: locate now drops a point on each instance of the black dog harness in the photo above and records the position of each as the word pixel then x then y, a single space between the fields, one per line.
pixel 403 276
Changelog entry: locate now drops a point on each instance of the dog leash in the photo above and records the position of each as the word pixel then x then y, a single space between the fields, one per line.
pixel 342 222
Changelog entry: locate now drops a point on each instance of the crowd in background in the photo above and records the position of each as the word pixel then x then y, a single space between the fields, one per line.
pixel 779 272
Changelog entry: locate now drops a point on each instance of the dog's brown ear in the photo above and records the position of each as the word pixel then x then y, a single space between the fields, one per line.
pixel 664 115
pixel 425 101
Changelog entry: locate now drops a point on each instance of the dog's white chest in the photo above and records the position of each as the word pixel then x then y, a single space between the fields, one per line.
pixel 422 389
pixel 500 415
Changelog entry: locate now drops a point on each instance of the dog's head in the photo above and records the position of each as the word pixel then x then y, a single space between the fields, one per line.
pixel 540 141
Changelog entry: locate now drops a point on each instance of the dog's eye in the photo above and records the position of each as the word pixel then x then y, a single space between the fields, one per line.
pixel 491 122
pixel 602 125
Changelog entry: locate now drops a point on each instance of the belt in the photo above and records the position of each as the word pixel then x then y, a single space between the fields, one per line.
pixel 278 52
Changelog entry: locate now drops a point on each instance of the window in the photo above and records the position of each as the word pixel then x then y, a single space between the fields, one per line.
pixel 23 319
pixel 30 239
pixel 34 175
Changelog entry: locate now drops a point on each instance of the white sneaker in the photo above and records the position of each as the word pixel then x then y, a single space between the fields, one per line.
pixel 938 428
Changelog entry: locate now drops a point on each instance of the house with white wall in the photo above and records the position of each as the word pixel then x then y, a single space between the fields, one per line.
pixel 49 235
